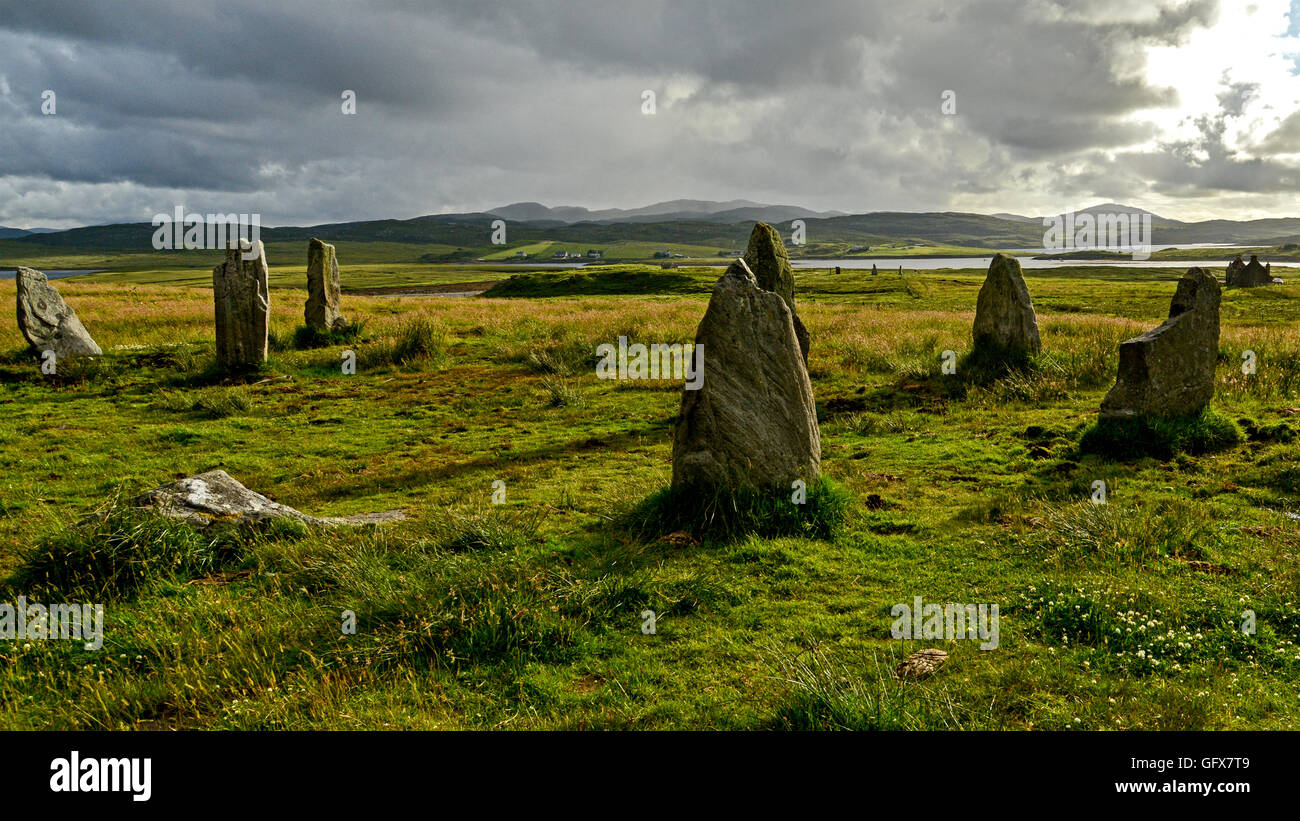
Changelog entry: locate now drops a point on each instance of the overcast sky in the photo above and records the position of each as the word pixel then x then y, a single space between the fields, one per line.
pixel 1190 109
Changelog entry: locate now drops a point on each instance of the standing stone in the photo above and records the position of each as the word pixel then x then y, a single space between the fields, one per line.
pixel 873 269
pixel 243 308
pixel 752 423
pixel 1005 324
pixel 1169 371
pixel 47 322
pixel 770 264
pixel 323 288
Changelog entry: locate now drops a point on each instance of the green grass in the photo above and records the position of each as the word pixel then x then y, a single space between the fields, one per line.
pixel 529 614
pixel 712 513
pixel 1160 437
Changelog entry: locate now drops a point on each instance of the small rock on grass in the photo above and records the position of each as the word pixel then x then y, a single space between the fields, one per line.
pixel 922 663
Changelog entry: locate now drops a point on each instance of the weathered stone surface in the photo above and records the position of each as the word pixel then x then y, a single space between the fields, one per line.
pixel 752 423
pixel 1004 313
pixel 217 498
pixel 1169 371
pixel 770 265
pixel 323 288
pixel 243 308
pixel 921 664
pixel 47 322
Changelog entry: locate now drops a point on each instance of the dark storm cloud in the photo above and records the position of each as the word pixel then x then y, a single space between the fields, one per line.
pixel 235 106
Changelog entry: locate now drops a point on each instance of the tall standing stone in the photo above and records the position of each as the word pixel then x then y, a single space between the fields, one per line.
pixel 1005 323
pixel 243 307
pixel 1169 371
pixel 323 288
pixel 752 423
pixel 769 263
pixel 46 321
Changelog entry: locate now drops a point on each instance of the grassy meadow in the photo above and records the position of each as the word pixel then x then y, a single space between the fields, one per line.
pixel 528 614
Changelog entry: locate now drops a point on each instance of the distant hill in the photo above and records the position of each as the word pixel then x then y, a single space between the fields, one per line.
pixel 670 211
pixel 687 222
pixel 12 233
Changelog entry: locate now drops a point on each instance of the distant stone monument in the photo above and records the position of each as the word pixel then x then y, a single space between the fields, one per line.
pixel 752 423
pixel 243 307
pixel 873 269
pixel 1234 271
pixel 1169 371
pixel 1248 275
pixel 323 288
pixel 46 321
pixel 1005 324
pixel 770 265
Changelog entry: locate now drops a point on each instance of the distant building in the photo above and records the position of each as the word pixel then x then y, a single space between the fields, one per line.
pixel 594 255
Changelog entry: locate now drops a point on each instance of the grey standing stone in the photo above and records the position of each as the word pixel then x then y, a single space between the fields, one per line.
pixel 243 307
pixel 47 322
pixel 216 497
pixel 1169 371
pixel 323 288
pixel 1005 323
pixel 770 265
pixel 752 423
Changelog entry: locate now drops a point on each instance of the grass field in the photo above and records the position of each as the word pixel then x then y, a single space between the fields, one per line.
pixel 528 615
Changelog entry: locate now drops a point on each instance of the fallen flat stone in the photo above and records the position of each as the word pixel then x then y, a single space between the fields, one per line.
pixel 1005 323
pixel 1169 371
pixel 217 498
pixel 752 423
pixel 243 307
pixel 323 288
pixel 46 321
pixel 770 264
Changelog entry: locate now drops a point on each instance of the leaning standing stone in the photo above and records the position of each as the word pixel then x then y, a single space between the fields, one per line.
pixel 752 423
pixel 239 289
pixel 47 322
pixel 1169 371
pixel 323 288
pixel 1005 324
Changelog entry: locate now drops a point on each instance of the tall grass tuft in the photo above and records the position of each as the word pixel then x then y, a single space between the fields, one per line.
pixel 728 514
pixel 117 551
pixel 1160 437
